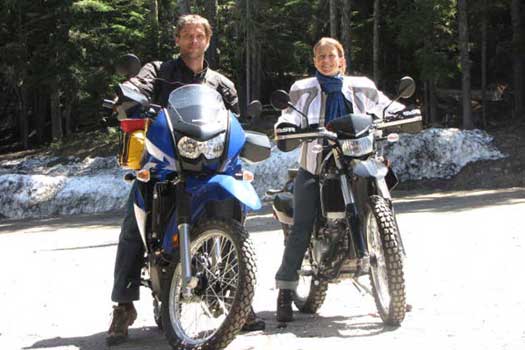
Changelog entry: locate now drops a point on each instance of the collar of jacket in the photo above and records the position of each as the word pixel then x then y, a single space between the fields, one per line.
pixel 188 74
pixel 308 97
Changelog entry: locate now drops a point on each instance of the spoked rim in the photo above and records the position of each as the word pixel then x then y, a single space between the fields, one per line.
pixel 377 262
pixel 215 264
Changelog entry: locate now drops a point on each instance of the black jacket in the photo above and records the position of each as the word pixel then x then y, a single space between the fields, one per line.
pixel 158 79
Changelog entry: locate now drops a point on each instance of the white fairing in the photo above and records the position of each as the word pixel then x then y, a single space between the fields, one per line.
pixel 376 169
pixel 369 168
pixel 157 153
pixel 140 215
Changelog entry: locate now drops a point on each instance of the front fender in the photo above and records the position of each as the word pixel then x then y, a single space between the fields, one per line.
pixel 369 168
pixel 241 190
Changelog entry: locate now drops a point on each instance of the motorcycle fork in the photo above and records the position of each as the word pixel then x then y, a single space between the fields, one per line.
pixel 183 212
pixel 353 220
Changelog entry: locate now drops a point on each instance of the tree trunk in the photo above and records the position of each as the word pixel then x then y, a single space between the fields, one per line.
pixel 211 15
pixel 333 18
pixel 40 114
pixel 166 23
pixel 465 63
pixel 433 104
pixel 23 123
pixel 68 120
pixel 346 40
pixel 484 63
pixel 377 18
pixel 154 21
pixel 517 58
pixel 56 115
pixel 248 50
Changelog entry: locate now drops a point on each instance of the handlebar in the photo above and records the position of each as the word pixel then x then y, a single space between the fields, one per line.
pixel 308 134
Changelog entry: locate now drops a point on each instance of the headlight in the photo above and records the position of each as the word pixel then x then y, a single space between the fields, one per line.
pixel 192 149
pixel 358 147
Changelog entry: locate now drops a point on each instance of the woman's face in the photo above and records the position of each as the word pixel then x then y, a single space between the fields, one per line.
pixel 327 60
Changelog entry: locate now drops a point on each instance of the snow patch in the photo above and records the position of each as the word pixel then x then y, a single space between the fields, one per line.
pixel 41 187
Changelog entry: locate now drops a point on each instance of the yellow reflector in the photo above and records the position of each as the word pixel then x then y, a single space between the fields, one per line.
pixel 175 240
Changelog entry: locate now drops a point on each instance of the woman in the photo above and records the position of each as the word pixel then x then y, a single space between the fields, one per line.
pixel 328 95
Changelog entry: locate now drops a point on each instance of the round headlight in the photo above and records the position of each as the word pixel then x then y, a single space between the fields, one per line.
pixel 189 148
pixel 213 148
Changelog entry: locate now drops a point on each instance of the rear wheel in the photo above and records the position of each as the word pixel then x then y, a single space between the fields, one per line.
pixel 386 264
pixel 222 261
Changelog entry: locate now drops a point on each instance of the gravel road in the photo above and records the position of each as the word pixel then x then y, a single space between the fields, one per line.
pixel 464 280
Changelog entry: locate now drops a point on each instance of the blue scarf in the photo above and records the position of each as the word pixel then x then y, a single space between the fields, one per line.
pixel 335 102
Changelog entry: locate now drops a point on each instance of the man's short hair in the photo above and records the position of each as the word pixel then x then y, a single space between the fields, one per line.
pixel 193 19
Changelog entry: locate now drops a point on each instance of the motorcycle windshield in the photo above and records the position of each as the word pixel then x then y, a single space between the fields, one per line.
pixel 197 111
pixel 354 125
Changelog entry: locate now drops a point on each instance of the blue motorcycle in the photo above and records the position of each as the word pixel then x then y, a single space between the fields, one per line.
pixel 191 196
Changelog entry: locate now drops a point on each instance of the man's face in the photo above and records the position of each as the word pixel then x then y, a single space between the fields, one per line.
pixel 192 41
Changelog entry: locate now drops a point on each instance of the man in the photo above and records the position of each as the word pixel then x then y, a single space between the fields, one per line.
pixel 157 80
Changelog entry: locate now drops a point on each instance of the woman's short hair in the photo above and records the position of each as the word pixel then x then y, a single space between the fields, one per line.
pixel 335 43
pixel 193 19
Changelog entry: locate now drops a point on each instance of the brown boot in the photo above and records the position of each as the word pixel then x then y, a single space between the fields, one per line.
pixel 253 323
pixel 123 316
pixel 284 305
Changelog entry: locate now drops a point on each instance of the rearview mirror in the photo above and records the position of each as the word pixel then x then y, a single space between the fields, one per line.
pixel 128 65
pixel 407 87
pixel 280 99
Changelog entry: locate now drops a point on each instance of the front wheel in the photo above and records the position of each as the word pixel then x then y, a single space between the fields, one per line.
pixel 311 292
pixel 223 263
pixel 386 261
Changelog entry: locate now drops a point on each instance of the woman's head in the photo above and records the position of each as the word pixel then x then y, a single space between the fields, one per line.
pixel 329 57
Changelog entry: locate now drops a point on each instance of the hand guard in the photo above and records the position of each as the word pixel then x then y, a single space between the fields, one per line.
pixel 286 129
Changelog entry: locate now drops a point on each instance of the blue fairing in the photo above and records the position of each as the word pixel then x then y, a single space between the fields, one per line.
pixel 160 149
pixel 235 145
pixel 242 190
pixel 216 188
pixel 206 180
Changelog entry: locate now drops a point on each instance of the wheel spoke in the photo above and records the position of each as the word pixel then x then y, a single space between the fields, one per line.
pixel 217 266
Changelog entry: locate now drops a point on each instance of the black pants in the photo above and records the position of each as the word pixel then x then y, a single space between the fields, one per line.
pixel 306 204
pixel 130 257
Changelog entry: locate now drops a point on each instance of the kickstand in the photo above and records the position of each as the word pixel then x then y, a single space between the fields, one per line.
pixel 361 288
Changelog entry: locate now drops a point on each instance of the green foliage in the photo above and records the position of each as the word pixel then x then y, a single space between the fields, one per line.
pixel 73 44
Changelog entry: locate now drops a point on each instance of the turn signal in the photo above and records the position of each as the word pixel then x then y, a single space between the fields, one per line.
pixel 175 240
pixel 392 138
pixel 247 176
pixel 143 175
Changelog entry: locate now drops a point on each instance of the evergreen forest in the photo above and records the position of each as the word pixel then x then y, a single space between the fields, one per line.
pixel 57 57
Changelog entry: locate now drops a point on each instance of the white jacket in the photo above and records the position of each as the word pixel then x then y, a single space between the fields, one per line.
pixel 306 96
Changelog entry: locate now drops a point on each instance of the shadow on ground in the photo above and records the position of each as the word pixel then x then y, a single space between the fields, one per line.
pixel 304 326
pixel 109 219
pixel 457 201
pixel 139 339
pixel 315 326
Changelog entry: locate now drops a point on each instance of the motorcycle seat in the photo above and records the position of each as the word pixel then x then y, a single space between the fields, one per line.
pixel 283 202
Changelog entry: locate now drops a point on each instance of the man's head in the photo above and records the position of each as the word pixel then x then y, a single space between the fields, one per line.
pixel 192 36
